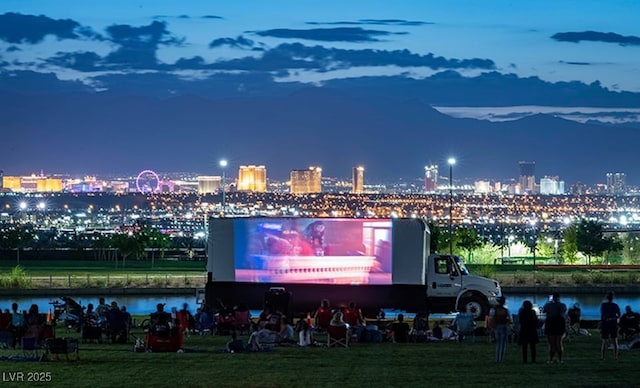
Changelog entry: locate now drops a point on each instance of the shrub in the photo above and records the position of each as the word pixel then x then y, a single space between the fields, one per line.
pixel 598 277
pixel 544 278
pixel 16 278
pixel 158 281
pixel 99 282
pixel 580 278
pixel 619 278
pixel 118 282
pixel 634 278
pixel 486 270
pixel 519 277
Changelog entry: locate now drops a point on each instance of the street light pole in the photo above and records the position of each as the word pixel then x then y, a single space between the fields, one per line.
pixel 451 162
pixel 223 165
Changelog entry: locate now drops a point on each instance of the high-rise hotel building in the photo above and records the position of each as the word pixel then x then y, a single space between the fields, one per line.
pixel 358 180
pixel 306 181
pixel 32 184
pixel 209 184
pixel 527 177
pixel 431 178
pixel 616 183
pixel 252 178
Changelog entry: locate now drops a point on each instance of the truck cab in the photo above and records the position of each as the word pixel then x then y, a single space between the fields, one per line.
pixel 449 284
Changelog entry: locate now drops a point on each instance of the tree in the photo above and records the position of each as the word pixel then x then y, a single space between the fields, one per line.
pixel 156 240
pixel 614 246
pixel 437 238
pixel 631 247
pixel 570 244
pixel 128 244
pixel 591 241
pixel 502 242
pixel 546 247
pixel 17 238
pixel 468 240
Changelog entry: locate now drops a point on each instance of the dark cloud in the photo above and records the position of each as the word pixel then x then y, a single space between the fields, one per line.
pixel 576 63
pixel 595 36
pixel 138 45
pixel 325 58
pixel 296 56
pixel 379 22
pixel 11 49
pixel 19 28
pixel 239 42
pixel 340 34
pixel 82 61
pixel 196 62
pixel 137 53
pixel 184 16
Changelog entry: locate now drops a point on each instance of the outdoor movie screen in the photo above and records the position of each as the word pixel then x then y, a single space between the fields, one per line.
pixel 313 250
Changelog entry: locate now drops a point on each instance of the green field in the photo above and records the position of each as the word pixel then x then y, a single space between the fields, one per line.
pixel 442 364
pixel 174 273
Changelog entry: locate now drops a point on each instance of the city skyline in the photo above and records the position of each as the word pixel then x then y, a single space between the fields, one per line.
pixel 120 87
pixel 252 178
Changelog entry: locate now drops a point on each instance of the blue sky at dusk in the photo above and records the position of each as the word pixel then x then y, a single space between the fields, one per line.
pixel 516 36
pixel 352 71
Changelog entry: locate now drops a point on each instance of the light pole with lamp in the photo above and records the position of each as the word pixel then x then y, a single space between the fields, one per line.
pixel 223 165
pixel 451 162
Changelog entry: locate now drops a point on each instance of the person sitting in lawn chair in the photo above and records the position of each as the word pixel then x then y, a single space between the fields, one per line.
pixel 629 323
pixel 574 314
pixel 117 324
pixel 160 322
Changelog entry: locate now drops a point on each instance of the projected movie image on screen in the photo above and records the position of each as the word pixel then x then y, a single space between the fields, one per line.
pixel 318 251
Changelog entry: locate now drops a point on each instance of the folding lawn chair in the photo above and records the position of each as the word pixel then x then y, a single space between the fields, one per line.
pixel 337 336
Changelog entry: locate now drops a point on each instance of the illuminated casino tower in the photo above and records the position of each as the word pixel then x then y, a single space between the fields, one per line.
pixel 431 178
pixel 306 181
pixel 209 184
pixel 358 180
pixel 252 178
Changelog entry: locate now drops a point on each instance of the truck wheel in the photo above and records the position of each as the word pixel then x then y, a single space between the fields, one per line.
pixel 476 306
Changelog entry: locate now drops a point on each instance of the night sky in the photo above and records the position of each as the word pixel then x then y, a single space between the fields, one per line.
pixel 121 86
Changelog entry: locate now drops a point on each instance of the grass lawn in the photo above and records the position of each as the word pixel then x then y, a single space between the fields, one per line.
pixel 508 275
pixel 445 364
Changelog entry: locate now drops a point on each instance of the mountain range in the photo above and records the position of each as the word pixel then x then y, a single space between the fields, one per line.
pixel 336 126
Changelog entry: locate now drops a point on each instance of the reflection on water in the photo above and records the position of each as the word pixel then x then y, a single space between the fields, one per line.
pixel 137 304
pixel 589 304
pixel 143 304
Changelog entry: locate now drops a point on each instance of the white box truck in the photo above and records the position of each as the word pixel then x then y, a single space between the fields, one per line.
pixel 377 263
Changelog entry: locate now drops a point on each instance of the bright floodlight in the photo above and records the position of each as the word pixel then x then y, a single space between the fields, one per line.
pixel 451 161
pixel 23 205
pixel 41 205
pixel 223 163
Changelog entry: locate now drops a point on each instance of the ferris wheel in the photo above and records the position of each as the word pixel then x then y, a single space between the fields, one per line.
pixel 148 182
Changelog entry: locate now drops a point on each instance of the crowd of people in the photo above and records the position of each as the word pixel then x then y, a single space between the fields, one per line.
pixel 18 324
pixel 556 322
pixel 274 328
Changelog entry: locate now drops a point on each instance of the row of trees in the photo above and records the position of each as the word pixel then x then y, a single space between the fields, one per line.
pixel 583 241
pixel 134 243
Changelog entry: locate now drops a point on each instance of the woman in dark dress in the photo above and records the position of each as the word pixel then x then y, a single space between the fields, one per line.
pixel 528 335
pixel 555 326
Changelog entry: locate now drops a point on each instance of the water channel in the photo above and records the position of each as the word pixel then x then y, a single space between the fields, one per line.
pixel 144 304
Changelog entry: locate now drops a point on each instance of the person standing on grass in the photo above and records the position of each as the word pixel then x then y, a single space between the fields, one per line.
pixel 499 318
pixel 609 315
pixel 555 326
pixel 528 335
